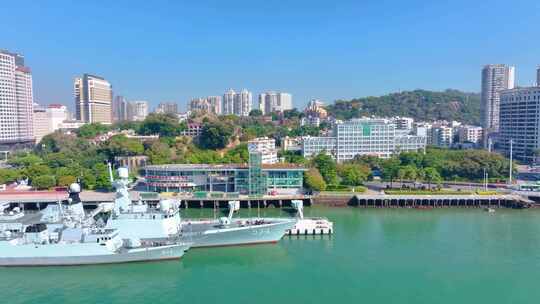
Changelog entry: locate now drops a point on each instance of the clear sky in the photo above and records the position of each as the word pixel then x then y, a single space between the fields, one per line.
pixel 176 50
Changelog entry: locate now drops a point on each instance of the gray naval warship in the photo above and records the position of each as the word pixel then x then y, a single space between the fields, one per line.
pixel 74 239
pixel 227 231
pixel 164 221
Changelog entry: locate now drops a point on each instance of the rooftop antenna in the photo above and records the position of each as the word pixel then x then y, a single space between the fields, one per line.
pixel 109 166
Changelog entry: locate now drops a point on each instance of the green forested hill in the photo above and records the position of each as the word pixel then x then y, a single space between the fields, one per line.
pixel 418 104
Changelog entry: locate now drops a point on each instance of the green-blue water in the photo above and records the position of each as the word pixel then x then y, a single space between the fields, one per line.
pixel 376 256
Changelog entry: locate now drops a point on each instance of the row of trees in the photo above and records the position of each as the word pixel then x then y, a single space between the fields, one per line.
pixel 433 167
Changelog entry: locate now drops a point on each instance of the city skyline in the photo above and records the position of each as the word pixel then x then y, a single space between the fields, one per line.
pixel 361 55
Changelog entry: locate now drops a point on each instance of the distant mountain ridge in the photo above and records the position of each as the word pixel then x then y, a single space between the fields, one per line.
pixel 421 105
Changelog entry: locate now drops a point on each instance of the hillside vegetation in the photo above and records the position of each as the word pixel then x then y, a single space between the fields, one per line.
pixel 418 104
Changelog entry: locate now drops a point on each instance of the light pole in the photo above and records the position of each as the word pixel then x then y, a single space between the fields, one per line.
pixel 511 159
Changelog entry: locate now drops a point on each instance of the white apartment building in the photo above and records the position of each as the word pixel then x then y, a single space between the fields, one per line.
pixel 228 102
pixel 310 121
pixel 167 108
pixel 119 108
pixel 215 104
pixel 57 114
pixel 199 105
pixel 495 78
pixel 41 123
pixel 137 110
pixel 242 103
pixel 93 99
pixel 274 102
pixel 442 136
pixel 16 100
pixel 266 146
pixel 472 134
pixel 366 136
pixel 313 145
pixel 403 123
pixel 291 143
pixel 210 104
pixel 520 122
pixel 48 119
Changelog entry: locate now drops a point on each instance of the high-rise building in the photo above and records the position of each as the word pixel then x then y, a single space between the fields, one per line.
pixel 16 100
pixel 48 119
pixel 236 103
pixel 57 114
pixel 242 103
pixel 520 123
pixel 119 109
pixel 215 104
pixel 41 123
pixel 93 99
pixel 538 76
pixel 210 104
pixel 199 105
pixel 167 108
pixel 495 78
pixel 274 102
pixel 228 102
pixel 137 110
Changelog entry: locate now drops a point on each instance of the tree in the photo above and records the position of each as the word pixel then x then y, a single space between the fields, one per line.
pixel 101 172
pixel 313 180
pixel 36 170
pixel 390 168
pixel 9 175
pixel 66 180
pixel 327 167
pixel 24 160
pixel 294 113
pixel 432 176
pixel 411 173
pixel 58 159
pixel 238 155
pixel 120 145
pixel 353 174
pixel 92 130
pixel 215 135
pixel 292 157
pixel 159 153
pixel 255 113
pixel 165 125
pixel 43 182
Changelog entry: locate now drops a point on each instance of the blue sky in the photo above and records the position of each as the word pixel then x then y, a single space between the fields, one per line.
pixel 176 50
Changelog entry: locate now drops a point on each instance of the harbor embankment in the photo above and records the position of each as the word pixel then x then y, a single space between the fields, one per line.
pixel 39 200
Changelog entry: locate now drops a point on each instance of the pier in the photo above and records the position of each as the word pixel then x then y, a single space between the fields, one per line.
pixel 440 201
pixel 40 199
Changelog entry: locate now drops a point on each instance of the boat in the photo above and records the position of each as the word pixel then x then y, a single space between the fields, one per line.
pixel 68 246
pixel 309 226
pixel 139 220
pixel 227 231
pixel 490 210
pixel 164 221
pixel 65 235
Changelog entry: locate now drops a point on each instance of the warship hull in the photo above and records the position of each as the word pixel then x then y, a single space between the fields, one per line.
pixel 207 234
pixel 67 255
